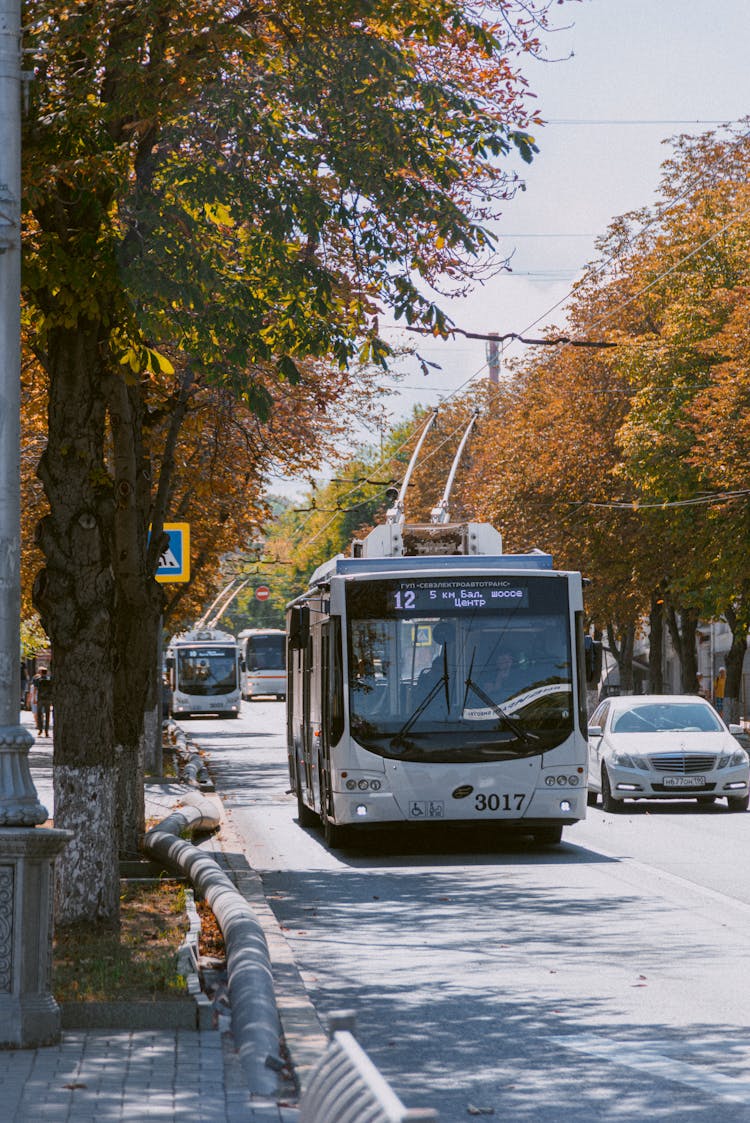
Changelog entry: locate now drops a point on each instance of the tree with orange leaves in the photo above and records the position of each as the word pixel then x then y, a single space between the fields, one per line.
pixel 210 191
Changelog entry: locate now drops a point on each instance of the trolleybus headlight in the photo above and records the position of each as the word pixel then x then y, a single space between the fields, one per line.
pixel 574 781
pixel 351 785
pixel 361 809
pixel 565 805
pixel 562 781
pixel 550 781
pixel 363 785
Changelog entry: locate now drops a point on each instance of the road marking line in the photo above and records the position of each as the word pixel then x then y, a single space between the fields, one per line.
pixel 641 1057
pixel 677 879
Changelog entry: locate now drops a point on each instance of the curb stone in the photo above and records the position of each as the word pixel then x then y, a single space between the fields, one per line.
pixel 305 1038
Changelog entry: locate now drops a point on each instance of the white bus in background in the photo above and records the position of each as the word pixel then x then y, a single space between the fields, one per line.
pixel 263 653
pixel 203 667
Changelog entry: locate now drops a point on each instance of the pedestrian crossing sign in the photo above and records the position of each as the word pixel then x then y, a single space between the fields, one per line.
pixel 174 562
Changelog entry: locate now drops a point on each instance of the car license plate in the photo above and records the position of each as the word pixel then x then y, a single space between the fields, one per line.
pixel 684 781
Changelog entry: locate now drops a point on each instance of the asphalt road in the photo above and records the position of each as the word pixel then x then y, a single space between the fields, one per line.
pixel 604 979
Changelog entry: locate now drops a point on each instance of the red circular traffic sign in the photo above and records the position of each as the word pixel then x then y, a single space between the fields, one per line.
pixel 262 592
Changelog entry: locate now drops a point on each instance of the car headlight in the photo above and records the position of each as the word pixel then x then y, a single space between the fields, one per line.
pixel 628 760
pixel 733 760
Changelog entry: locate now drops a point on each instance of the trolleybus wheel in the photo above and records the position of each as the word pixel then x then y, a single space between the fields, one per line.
pixel 305 816
pixel 609 803
pixel 335 835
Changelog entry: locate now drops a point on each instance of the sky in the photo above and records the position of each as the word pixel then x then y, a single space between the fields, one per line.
pixel 631 74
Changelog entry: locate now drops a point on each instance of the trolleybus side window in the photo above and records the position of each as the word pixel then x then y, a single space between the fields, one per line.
pixel 583 719
pixel 336 684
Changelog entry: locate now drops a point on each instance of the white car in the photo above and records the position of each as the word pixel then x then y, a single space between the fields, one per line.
pixel 664 746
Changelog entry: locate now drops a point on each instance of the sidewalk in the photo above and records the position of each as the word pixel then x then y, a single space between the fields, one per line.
pixel 103 1076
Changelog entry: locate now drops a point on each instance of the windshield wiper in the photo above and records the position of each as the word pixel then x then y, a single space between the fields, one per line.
pixel 513 723
pixel 398 740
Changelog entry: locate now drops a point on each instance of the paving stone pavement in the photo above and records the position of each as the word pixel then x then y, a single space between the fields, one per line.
pixel 108 1076
pixel 103 1076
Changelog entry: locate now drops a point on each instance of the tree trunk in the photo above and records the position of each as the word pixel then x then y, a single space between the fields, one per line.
pixel 136 648
pixel 138 606
pixel 735 658
pixel 621 647
pixel 656 644
pixel 683 629
pixel 74 595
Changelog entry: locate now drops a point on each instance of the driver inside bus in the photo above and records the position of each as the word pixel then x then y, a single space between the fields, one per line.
pixel 503 676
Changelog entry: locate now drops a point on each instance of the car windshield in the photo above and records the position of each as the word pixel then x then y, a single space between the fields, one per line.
pixel 460 670
pixel 667 717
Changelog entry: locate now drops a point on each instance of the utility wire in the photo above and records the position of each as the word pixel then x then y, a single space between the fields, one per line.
pixel 640 233
pixel 641 505
pixel 624 304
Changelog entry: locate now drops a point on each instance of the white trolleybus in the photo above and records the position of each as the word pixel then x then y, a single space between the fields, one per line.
pixel 434 679
pixel 203 667
pixel 263 653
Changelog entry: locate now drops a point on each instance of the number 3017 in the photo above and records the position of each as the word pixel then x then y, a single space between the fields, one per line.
pixel 495 802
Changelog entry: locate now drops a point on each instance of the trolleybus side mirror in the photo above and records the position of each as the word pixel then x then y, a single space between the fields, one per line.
pixel 299 627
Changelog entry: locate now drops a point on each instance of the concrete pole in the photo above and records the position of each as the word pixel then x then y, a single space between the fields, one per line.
pixel 493 358
pixel 29 1015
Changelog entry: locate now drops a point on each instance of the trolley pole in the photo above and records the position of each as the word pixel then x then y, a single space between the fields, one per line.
pixel 29 1015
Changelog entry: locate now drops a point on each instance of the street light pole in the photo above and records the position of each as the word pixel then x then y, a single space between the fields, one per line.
pixel 29 1015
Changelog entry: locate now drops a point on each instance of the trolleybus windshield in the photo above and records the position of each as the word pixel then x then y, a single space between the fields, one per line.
pixel 265 652
pixel 207 670
pixel 460 669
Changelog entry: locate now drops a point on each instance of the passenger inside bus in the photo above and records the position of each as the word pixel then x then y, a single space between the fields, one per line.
pixel 435 673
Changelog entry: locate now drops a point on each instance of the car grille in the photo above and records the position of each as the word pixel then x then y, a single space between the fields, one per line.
pixel 683 762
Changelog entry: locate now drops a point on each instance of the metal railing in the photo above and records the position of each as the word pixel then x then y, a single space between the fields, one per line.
pixel 346 1087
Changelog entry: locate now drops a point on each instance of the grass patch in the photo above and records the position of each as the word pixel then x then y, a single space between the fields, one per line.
pixel 138 962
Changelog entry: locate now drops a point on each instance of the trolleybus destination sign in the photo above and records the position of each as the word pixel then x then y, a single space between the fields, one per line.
pixel 451 595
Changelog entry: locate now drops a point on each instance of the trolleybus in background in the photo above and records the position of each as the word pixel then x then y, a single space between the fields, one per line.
pixel 434 679
pixel 263 653
pixel 203 667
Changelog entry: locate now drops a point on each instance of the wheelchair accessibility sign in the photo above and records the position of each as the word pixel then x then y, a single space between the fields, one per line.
pixel 427 809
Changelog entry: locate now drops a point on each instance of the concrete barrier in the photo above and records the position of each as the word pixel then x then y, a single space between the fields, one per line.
pixel 255 1019
pixel 346 1087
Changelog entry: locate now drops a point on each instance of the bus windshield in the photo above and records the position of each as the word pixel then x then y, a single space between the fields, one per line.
pixel 460 669
pixel 265 653
pixel 207 670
